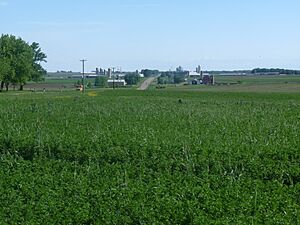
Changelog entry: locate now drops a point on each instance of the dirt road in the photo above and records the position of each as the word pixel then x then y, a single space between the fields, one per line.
pixel 145 85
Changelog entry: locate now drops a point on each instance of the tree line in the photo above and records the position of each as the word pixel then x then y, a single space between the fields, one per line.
pixel 275 71
pixel 172 77
pixel 150 73
pixel 20 62
pixel 130 78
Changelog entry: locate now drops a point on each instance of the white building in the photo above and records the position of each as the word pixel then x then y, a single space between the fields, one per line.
pixel 116 83
pixel 194 74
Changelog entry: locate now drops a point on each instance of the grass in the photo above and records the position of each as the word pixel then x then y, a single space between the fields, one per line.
pixel 131 157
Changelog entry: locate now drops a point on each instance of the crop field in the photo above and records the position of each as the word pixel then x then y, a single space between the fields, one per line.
pixel 253 84
pixel 153 157
pixel 239 88
pixel 257 79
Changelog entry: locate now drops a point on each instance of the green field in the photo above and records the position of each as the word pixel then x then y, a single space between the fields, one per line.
pixel 257 79
pixel 263 84
pixel 252 84
pixel 66 84
pixel 154 157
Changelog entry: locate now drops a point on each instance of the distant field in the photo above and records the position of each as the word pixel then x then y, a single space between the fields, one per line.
pixel 288 84
pixel 153 157
pixel 280 83
pixel 262 88
pixel 259 79
pixel 63 83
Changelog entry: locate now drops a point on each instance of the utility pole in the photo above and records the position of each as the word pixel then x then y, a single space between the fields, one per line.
pixel 83 61
pixel 113 71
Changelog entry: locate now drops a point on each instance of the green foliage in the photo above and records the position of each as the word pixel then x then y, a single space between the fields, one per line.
pixel 179 79
pixel 275 71
pixel 161 80
pixel 131 157
pixel 38 72
pixel 150 73
pixel 172 77
pixel 132 78
pixel 20 61
pixel 101 82
pixel 89 85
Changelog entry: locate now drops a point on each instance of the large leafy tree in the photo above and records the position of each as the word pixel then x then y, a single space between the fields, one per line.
pixel 6 73
pixel 38 72
pixel 19 61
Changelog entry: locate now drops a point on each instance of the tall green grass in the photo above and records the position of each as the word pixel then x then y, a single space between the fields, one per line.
pixel 129 157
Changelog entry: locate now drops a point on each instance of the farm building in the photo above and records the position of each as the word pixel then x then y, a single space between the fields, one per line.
pixel 116 83
pixel 194 74
pixel 208 79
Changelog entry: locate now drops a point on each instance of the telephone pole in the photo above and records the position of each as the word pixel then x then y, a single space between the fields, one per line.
pixel 113 75
pixel 83 61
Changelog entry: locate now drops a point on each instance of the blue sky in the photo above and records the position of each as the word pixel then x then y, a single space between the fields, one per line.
pixel 136 34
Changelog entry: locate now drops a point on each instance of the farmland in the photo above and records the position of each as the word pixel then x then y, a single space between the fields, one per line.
pixel 153 157
pixel 260 79
pixel 249 83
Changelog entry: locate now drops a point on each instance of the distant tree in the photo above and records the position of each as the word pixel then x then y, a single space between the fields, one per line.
pixel 179 79
pixel 89 84
pixel 97 82
pixel 149 73
pixel 273 70
pixel 132 78
pixel 161 80
pixel 179 69
pixel 172 77
pixel 101 82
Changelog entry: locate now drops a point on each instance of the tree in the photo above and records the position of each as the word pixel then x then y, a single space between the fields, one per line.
pixel 132 78
pixel 38 72
pixel 101 82
pixel 149 73
pixel 161 80
pixel 179 69
pixel 6 73
pixel 19 61
pixel 179 79
pixel 89 84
